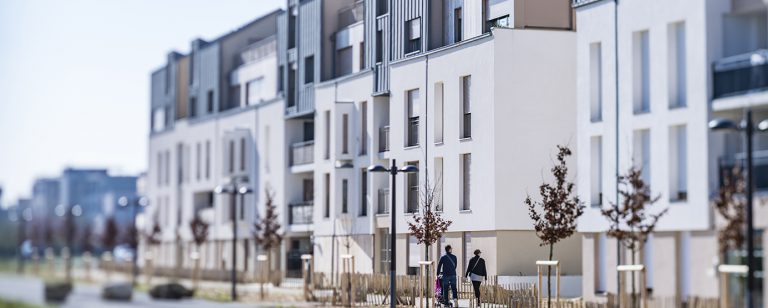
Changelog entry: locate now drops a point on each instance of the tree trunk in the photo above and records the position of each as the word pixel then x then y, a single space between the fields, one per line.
pixel 549 277
pixel 634 297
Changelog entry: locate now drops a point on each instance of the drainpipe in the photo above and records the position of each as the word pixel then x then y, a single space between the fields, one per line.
pixel 616 68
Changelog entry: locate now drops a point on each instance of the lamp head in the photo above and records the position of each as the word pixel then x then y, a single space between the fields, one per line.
pixel 377 168
pixel 762 126
pixel 409 169
pixel 719 124
pixel 244 190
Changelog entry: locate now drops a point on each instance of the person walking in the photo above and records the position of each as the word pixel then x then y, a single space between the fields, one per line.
pixel 476 272
pixel 447 268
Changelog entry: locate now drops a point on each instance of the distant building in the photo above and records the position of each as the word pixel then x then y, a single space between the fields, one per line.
pixel 45 198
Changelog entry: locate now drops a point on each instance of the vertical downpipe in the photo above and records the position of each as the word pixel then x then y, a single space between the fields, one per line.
pixel 616 68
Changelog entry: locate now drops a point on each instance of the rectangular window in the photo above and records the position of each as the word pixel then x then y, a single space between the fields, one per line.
pixel 412 120
pixel 207 159
pixel 309 69
pixel 414 255
pixel 361 56
pixel 167 78
pixel 457 26
pixel 167 167
pixel 363 192
pixel 412 188
pixel 267 145
pixel 242 154
pixel 345 134
pixel 308 191
pixel 210 101
pixel 676 65
pixel 158 120
pixel 253 91
pixel 379 46
pixel 344 196
pixel 344 61
pixel 595 82
pixel 198 152
pixel 466 107
pixel 466 164
pixel 381 7
pixel 384 249
pixel 327 197
pixel 191 67
pixel 438 184
pixel 413 35
pixel 596 171
pixel 678 163
pixel 363 128
pixel 439 114
pixel 231 160
pixel 327 134
pixel 466 248
pixel 642 152
pixel 600 262
pixel 291 87
pixel 159 169
pixel 486 26
pixel 192 107
pixel 234 96
pixel 641 72
pixel 280 76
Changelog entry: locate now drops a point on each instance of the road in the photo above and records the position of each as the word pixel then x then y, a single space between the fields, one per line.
pixel 30 290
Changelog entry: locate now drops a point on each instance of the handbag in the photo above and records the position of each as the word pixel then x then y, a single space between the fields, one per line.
pixel 473 276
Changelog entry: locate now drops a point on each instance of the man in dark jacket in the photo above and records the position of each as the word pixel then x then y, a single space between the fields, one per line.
pixel 447 267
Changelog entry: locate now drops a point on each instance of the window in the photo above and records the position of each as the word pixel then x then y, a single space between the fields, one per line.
pixel 309 69
pixel 191 67
pixel 678 161
pixel 363 128
pixel 167 78
pixel 466 162
pixel 210 101
pixel 234 96
pixel 361 56
pixel 381 7
pixel 439 115
pixel 253 91
pixel 292 26
pixel 676 65
pixel 344 61
pixel 363 192
pixel 192 107
pixel 242 154
pixel 291 87
pixel 198 152
pixel 640 72
pixel 457 26
pixel 159 169
pixel 648 261
pixel 207 159
pixel 327 134
pixel 412 188
pixel 344 196
pixel 438 184
pixel 595 82
pixel 385 249
pixel 466 107
pixel 379 46
pixel 327 203
pixel 596 171
pixel 231 156
pixel 600 262
pixel 345 134
pixel 280 76
pixel 308 190
pixel 413 35
pixel 498 22
pixel 158 120
pixel 266 148
pixel 466 248
pixel 167 167
pixel 412 101
pixel 486 25
pixel 641 155
pixel 414 255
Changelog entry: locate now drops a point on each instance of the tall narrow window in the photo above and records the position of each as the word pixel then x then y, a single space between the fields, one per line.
pixel 363 128
pixel 600 262
pixel 192 107
pixel 167 167
pixel 413 35
pixel 159 169
pixel 345 134
pixel 231 153
pixel 412 112
pixel 280 76
pixel 486 26
pixel 309 69
pixel 412 189
pixel 207 159
pixel 641 72
pixel 363 193
pixel 457 26
pixel 466 164
pixel 676 65
pixel 439 114
pixel 198 152
pixel 267 146
pixel 210 101
pixel 437 183
pixel 242 154
pixel 327 196
pixel 596 171
pixel 344 196
pixel 595 82
pixel 466 107
pixel 344 61
pixel 642 152
pixel 361 56
pixel 381 7
pixel 191 66
pixel 327 134
pixel 379 46
pixel 678 163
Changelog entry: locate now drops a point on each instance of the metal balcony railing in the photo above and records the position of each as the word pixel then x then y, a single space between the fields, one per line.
pixel 741 74
pixel 383 201
pixel 301 213
pixel 303 153
pixel 413 132
pixel 384 138
pixel 351 14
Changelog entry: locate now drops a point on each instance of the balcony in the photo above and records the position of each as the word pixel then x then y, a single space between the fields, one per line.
pixel 303 153
pixel 384 139
pixel 413 132
pixel 383 201
pixel 301 213
pixel 351 14
pixel 741 74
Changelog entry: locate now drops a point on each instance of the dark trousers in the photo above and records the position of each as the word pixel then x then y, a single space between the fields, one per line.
pixel 476 286
pixel 449 281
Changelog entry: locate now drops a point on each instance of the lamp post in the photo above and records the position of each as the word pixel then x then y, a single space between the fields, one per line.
pixel 133 203
pixel 233 190
pixel 393 171
pixel 69 213
pixel 748 127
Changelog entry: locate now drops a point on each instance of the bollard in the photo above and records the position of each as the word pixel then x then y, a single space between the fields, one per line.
pixel 50 262
pixel 539 266
pixel 87 259
pixel 195 256
pixel 725 270
pixel 262 259
pixel 35 262
pixel 106 259
pixel 348 266
pixel 67 265
pixel 148 268
pixel 623 269
pixel 306 275
pixel 425 268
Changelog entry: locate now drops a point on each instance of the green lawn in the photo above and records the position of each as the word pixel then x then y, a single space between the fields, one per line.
pixel 4 303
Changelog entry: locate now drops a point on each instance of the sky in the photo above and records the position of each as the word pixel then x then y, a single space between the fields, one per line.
pixel 74 78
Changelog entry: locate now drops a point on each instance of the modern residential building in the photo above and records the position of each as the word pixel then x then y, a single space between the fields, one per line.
pixel 45 198
pixel 680 64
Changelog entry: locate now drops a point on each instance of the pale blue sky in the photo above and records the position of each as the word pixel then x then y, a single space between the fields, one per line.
pixel 74 78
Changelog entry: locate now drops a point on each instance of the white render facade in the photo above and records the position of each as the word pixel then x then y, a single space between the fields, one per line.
pixel 666 96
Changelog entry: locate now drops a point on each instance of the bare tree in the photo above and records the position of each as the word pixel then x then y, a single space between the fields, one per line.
pixel 555 216
pixel 631 222
pixel 730 204
pixel 199 235
pixel 266 231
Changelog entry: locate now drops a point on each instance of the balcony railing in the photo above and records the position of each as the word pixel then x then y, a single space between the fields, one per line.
pixel 383 201
pixel 466 125
pixel 303 153
pixel 351 14
pixel 741 74
pixel 413 131
pixel 384 138
pixel 301 213
pixel 760 165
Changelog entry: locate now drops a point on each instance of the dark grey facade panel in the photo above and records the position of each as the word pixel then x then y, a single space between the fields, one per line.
pixel 402 11
pixel 310 44
pixel 282 38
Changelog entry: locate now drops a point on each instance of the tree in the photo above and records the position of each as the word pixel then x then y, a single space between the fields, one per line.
pixel 266 231
pixel 631 223
pixel 199 230
pixel 428 224
pixel 111 232
pixel 730 204
pixel 86 239
pixel 555 216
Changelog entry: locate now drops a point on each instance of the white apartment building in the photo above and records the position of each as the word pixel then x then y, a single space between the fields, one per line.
pixel 667 93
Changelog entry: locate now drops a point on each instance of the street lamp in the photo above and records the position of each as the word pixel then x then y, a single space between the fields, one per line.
pixel 393 171
pixel 233 190
pixel 748 127
pixel 133 203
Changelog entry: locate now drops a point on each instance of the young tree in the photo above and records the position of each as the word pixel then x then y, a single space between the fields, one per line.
pixel 266 232
pixel 555 216
pixel 730 204
pixel 631 223
pixel 199 235
pixel 428 224
pixel 111 232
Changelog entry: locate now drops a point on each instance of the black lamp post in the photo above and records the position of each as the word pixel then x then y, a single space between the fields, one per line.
pixel 233 190
pixel 133 203
pixel 748 127
pixel 393 171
